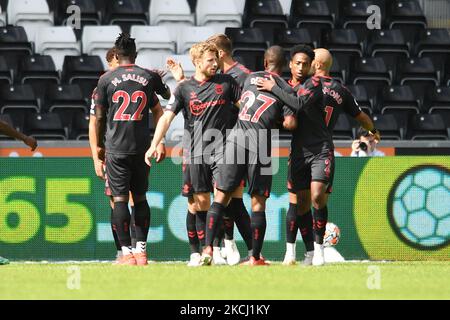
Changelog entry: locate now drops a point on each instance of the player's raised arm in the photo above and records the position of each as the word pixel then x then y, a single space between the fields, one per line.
pixel 13 133
pixel 367 123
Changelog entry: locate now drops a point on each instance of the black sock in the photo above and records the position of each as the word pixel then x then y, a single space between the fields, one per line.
pixel 228 222
pixel 116 239
pixel 213 218
pixel 258 232
pixel 121 223
pixel 133 227
pixel 220 234
pixel 305 224
pixel 142 220
pixel 291 223
pixel 200 225
pixel 192 232
pixel 243 221
pixel 320 222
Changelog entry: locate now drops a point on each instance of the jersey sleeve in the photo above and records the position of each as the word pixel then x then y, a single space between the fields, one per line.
pixel 235 91
pixel 286 111
pixel 100 97
pixel 176 101
pixel 159 86
pixel 154 101
pixel 350 105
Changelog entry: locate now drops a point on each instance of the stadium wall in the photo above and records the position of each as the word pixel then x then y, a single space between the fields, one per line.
pixel 391 208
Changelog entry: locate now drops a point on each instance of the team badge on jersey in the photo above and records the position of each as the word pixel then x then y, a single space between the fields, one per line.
pixel 219 89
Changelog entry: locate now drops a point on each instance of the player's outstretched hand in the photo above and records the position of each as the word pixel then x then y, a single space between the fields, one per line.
pixel 176 69
pixel 98 165
pixel 160 152
pixel 31 142
pixel 265 84
pixel 149 155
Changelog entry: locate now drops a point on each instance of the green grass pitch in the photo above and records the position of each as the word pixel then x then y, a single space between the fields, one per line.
pixel 390 280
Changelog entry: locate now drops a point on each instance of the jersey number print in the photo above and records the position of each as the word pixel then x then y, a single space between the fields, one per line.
pixel 251 98
pixel 120 115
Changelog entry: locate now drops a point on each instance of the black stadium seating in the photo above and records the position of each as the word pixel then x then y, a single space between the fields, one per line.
pixel 400 75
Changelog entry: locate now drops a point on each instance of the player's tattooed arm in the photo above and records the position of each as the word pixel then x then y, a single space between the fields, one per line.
pixel 13 133
pixel 161 129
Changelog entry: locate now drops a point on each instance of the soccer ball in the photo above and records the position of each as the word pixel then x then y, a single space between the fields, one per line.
pixel 332 235
pixel 420 207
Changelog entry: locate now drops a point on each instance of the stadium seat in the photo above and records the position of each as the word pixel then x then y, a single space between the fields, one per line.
pixel 17 101
pixel 355 15
pixel 287 38
pixel 218 14
pixel 371 72
pixel 435 44
pixel 30 14
pixel 437 100
pixel 338 71
pixel 174 14
pixel 315 14
pixel 344 128
pixel 57 42
pixel 6 118
pixel 80 128
pixel 361 96
pixel 125 13
pixel 388 44
pixel 400 101
pixel 83 70
pixel 38 71
pixel 90 15
pixel 249 45
pixel 406 15
pixel 417 72
pixel 428 127
pixel 389 127
pixel 45 126
pixel 64 97
pixel 266 14
pixel 343 43
pixel 98 40
pixel 6 76
pixel 14 42
pixel 154 44
pixel 189 36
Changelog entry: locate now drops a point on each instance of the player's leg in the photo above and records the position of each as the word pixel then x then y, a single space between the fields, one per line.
pixel 260 183
pixel 299 179
pixel 142 215
pixel 111 205
pixel 132 222
pixel 118 169
pixel 322 172
pixel 191 227
pixel 305 223
pixel 237 210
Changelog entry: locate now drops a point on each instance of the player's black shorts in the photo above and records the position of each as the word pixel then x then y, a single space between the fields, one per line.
pixel 199 177
pixel 233 174
pixel 303 170
pixel 107 188
pixel 127 173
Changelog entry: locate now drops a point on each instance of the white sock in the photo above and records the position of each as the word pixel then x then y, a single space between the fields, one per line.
pixel 127 250
pixel 290 249
pixel 119 254
pixel 141 247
